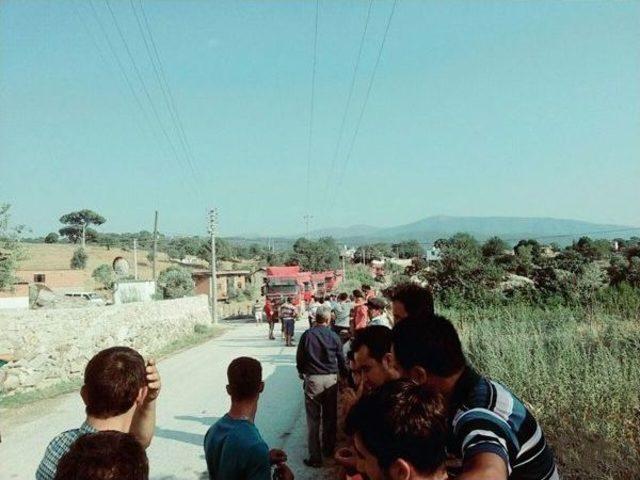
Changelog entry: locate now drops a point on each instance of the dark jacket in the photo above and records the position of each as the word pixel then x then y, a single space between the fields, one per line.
pixel 320 352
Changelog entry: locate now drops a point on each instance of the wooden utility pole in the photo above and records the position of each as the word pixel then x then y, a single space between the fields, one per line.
pixel 213 285
pixel 135 258
pixel 155 244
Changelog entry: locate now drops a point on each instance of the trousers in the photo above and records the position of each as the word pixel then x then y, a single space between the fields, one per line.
pixel 321 405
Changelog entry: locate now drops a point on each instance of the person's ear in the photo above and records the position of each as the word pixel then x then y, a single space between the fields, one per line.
pixel 142 394
pixel 400 470
pixel 84 394
pixel 228 387
pixel 418 375
pixel 388 362
pixel 261 387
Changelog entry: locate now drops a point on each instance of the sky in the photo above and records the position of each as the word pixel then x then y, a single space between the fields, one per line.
pixel 514 108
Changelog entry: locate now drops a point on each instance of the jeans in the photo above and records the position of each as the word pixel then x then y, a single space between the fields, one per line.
pixel 321 405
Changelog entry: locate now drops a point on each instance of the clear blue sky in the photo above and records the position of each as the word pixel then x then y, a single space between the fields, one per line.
pixel 478 108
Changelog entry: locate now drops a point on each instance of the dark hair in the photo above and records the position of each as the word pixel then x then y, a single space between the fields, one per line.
pixel 112 381
pixel 417 300
pixel 343 296
pixel 377 338
pixel 320 299
pixel 433 345
pixel 401 419
pixel 365 287
pixel 245 378
pixel 104 455
pixel 358 294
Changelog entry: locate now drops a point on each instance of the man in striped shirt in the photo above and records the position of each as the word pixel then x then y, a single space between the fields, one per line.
pixel 492 435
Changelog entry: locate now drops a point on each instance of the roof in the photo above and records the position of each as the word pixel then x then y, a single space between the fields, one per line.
pixel 283 271
pixel 221 273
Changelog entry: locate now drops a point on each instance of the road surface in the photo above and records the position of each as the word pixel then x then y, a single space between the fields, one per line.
pixel 193 397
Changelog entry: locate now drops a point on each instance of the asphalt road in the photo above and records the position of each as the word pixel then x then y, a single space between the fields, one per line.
pixel 193 397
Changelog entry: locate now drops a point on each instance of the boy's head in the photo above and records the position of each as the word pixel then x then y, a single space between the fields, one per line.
pixel 114 382
pixel 426 351
pixel 399 431
pixel 245 379
pixel 106 455
pixel 410 300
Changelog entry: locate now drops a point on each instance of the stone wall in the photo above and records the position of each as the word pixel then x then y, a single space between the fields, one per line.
pixel 53 346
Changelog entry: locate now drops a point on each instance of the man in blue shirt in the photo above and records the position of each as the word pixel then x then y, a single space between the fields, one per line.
pixel 233 447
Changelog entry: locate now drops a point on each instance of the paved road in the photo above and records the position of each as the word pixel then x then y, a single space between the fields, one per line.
pixel 193 397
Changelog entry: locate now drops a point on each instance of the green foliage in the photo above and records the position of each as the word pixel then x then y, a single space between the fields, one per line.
pixel 104 275
pixel 316 255
pixel 375 251
pixel 409 249
pixel 175 282
pixel 75 222
pixel 52 237
pixel 625 269
pixel 11 251
pixel 494 247
pixel 592 249
pixel 79 259
pixel 150 256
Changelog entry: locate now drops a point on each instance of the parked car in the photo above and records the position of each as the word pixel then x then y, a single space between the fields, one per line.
pixel 90 297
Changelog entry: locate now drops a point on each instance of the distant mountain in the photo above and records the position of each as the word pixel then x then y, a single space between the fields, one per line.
pixel 510 228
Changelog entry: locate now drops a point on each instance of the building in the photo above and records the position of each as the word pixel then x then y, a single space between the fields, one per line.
pixel 225 280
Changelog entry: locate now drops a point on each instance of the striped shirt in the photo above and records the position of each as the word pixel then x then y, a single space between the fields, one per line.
pixel 488 418
pixel 57 448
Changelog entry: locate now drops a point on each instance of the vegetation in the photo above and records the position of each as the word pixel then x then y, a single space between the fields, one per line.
pixel 104 275
pixel 79 259
pixel 52 237
pixel 315 255
pixel 175 282
pixel 11 251
pixel 78 224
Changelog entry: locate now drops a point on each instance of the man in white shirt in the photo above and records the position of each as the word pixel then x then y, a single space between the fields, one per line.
pixel 377 316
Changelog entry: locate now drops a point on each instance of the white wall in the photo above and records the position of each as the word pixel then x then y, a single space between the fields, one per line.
pixel 129 292
pixel 14 302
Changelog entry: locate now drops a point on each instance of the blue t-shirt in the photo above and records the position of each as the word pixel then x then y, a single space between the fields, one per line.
pixel 234 450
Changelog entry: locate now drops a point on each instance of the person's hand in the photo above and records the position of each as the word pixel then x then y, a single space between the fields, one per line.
pixel 153 381
pixel 277 456
pixel 346 458
pixel 283 472
pixel 351 396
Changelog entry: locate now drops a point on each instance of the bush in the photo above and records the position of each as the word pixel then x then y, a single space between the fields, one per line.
pixel 175 282
pixel 105 276
pixel 79 259
pixel 52 237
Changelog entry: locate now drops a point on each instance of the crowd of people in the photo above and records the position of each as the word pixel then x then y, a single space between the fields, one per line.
pixel 415 407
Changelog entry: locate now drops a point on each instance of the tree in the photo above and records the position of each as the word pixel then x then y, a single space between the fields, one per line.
pixel 11 251
pixel 592 249
pixel 175 282
pixel 104 275
pixel 315 255
pixel 494 247
pixel 79 259
pixel 78 223
pixel 51 238
pixel 409 249
pixel 375 251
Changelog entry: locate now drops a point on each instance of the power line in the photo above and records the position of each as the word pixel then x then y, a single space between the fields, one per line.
pixel 364 104
pixel 349 96
pixel 144 87
pixel 311 108
pixel 164 86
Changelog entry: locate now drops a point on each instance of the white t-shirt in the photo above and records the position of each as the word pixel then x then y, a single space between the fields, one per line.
pixel 380 320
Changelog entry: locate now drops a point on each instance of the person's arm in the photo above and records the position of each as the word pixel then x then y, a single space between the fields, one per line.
pixel 144 419
pixel 300 355
pixel 484 466
pixel 342 364
pixel 6 357
pixel 259 463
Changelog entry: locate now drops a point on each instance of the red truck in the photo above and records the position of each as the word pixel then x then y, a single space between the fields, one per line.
pixel 282 282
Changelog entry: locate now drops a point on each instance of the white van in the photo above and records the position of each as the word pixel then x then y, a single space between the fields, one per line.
pixel 90 297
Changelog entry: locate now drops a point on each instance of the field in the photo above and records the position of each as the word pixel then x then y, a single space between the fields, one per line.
pixel 579 370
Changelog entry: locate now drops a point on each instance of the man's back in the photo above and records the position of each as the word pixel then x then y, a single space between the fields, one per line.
pixel 320 352
pixel 57 448
pixel 342 311
pixel 234 450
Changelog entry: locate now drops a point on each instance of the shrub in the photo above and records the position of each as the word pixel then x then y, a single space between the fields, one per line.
pixel 105 276
pixel 175 282
pixel 52 237
pixel 79 259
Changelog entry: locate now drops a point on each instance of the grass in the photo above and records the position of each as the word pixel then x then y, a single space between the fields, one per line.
pixel 201 333
pixel 579 370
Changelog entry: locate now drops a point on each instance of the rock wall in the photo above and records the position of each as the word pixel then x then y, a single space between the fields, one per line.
pixel 52 346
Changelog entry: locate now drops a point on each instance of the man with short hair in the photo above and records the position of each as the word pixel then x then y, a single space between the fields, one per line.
pixel 375 310
pixel 119 393
pixel 367 291
pixel 233 446
pixel 319 360
pixel 288 314
pixel 359 313
pixel 492 434
pixel 341 317
pixel 410 300
pixel 106 455
pixel 399 433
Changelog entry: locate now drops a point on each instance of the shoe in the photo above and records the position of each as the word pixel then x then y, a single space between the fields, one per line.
pixel 311 463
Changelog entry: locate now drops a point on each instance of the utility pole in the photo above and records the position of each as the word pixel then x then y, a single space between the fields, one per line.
pixel 155 244
pixel 307 218
pixel 135 258
pixel 213 285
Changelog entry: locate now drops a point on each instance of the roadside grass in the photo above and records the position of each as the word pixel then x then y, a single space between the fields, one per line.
pixel 201 333
pixel 578 369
